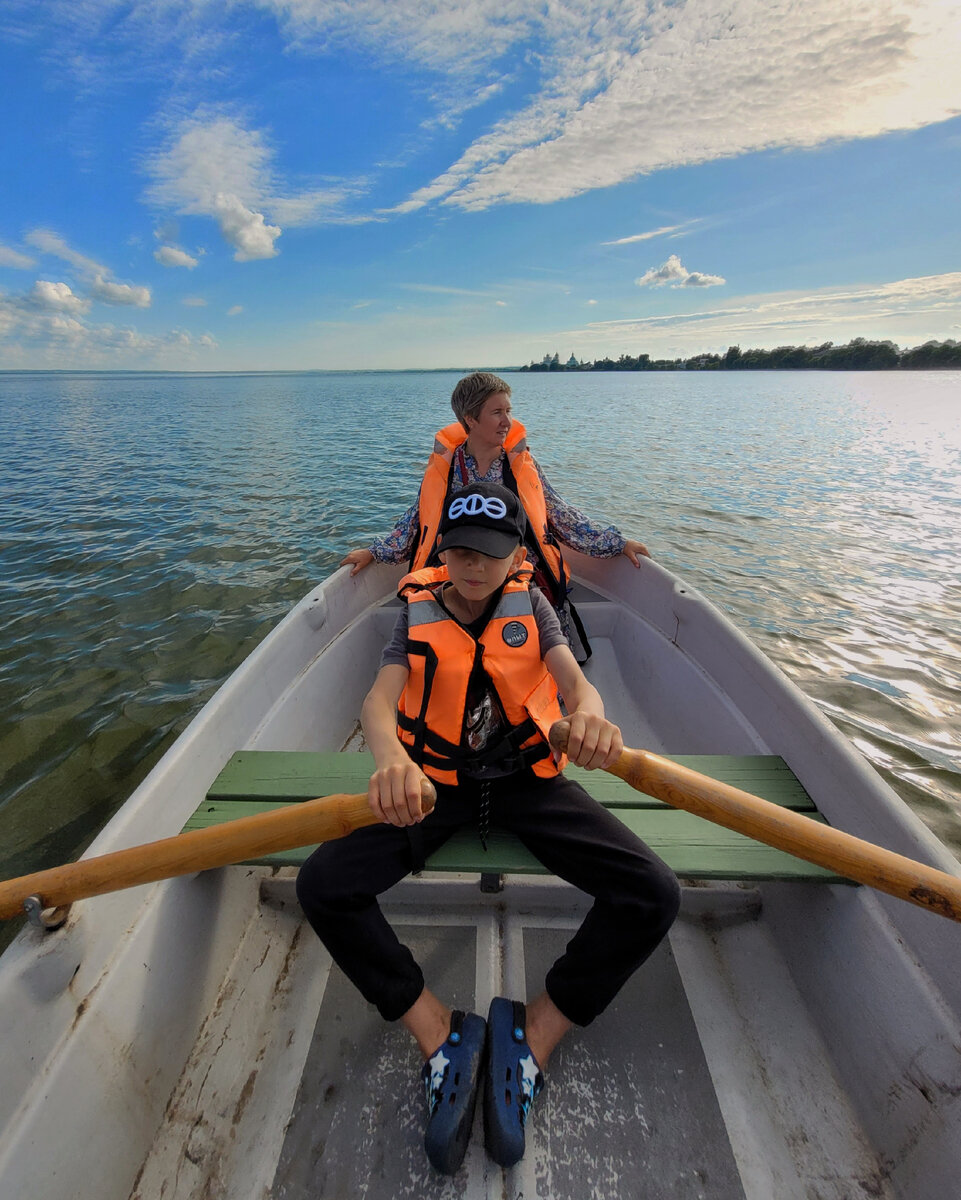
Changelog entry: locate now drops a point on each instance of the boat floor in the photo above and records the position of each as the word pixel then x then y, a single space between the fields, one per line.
pixel 296 1088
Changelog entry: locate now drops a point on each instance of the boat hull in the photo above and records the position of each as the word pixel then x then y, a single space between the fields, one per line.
pixel 176 1037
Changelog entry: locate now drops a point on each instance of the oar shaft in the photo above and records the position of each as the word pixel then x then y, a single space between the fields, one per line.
pixel 286 828
pixel 813 841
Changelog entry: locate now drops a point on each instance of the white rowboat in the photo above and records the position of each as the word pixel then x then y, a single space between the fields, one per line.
pixel 793 1038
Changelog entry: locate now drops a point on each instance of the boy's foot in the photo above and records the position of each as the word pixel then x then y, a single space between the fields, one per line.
pixel 513 1079
pixel 451 1075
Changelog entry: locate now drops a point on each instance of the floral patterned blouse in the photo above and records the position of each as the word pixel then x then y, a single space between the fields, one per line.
pixel 567 523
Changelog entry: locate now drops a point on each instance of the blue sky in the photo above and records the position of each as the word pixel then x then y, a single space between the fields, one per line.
pixel 292 184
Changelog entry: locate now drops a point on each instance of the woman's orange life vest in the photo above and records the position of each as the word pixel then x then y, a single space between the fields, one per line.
pixel 443 657
pixel 522 478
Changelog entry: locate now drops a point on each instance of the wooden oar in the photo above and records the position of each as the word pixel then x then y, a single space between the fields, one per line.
pixel 286 828
pixel 839 852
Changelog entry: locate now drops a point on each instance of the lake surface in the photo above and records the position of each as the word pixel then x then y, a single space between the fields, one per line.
pixel 153 528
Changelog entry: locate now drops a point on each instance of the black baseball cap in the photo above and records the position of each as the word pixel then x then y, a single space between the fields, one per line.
pixel 484 517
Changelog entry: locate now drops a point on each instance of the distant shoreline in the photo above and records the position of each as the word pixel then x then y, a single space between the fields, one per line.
pixel 857 355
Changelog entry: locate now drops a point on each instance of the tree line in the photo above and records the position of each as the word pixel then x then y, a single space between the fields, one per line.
pixel 857 355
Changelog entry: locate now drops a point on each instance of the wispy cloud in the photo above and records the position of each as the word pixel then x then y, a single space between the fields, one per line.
pixel 617 89
pixel 13 258
pixel 214 166
pixel 442 290
pixel 799 316
pixel 459 35
pixel 629 90
pixel 52 243
pixel 673 273
pixel 194 302
pixel 664 231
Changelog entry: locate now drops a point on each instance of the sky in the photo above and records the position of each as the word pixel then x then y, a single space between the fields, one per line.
pixel 350 184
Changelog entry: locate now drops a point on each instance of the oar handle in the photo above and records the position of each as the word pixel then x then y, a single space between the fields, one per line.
pixel 285 828
pixel 840 852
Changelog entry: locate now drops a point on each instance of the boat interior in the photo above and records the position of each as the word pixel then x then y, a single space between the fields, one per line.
pixel 787 1041
pixel 710 1076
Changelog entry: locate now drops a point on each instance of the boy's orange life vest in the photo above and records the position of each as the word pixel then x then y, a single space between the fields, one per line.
pixel 522 477
pixel 443 656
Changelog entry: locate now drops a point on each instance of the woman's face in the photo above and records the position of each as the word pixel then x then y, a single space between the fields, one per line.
pixel 493 424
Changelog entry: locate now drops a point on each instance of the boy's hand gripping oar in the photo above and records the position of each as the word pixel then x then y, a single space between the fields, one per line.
pixel 840 852
pixel 285 828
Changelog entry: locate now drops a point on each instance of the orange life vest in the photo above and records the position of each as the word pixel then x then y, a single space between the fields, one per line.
pixel 522 478
pixel 443 657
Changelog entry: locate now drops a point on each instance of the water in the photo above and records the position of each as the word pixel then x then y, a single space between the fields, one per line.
pixel 153 528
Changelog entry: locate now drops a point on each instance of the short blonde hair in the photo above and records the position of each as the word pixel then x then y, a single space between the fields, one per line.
pixel 472 393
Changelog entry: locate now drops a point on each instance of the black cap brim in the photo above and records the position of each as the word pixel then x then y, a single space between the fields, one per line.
pixel 495 543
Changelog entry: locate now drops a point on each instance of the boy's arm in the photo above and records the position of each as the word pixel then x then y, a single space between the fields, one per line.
pixel 394 792
pixel 594 741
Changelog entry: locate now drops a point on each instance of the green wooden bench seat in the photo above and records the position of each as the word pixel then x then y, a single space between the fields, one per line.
pixel 258 780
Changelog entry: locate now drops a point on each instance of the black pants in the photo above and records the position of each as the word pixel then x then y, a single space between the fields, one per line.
pixel 636 896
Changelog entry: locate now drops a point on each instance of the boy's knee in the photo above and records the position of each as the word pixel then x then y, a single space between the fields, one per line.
pixel 659 896
pixel 670 896
pixel 318 884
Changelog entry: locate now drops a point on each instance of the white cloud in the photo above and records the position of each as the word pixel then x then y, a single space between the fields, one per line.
pixel 457 41
pixel 664 231
pixel 616 88
pixel 441 289
pixel 101 286
pixel 213 166
pixel 245 229
pixel 455 36
pixel 57 296
pixel 673 272
pixel 194 302
pixel 109 292
pixel 216 168
pixel 13 258
pixel 235 310
pixel 46 326
pixel 52 243
pixel 171 256
pixel 631 89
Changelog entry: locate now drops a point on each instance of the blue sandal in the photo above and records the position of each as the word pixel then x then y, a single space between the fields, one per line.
pixel 451 1076
pixel 512 1082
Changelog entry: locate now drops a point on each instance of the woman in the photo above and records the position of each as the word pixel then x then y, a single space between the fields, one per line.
pixel 488 446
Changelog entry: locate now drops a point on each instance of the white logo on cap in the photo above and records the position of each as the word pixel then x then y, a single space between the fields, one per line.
pixel 471 506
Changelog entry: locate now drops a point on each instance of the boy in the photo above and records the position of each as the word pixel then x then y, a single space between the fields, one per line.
pixel 466 695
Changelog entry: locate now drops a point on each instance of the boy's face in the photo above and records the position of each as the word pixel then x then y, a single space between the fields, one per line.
pixel 477 576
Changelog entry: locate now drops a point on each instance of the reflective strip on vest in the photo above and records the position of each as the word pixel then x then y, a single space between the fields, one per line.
pixel 425 612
